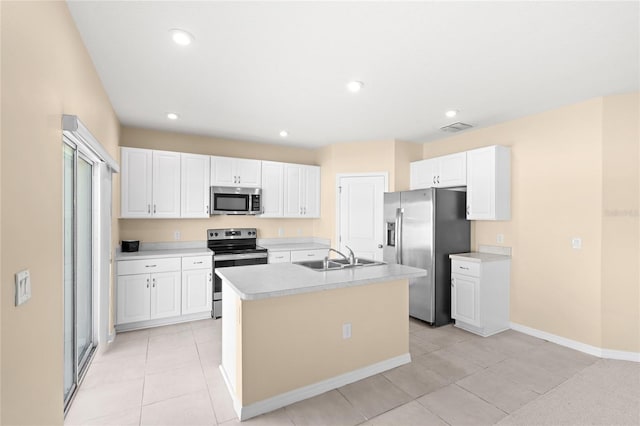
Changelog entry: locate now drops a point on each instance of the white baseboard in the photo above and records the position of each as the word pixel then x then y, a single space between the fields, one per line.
pixel 579 346
pixel 287 398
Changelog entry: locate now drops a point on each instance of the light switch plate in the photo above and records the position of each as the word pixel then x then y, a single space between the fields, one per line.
pixel 576 243
pixel 346 330
pixel 23 287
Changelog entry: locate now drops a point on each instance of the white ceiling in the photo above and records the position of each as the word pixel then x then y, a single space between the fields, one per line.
pixel 256 68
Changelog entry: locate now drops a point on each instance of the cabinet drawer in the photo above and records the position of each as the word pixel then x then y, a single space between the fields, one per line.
pixel 279 257
pixel 196 262
pixel 131 267
pixel 465 268
pixel 300 255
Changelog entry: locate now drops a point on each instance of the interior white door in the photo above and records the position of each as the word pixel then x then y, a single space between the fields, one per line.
pixel 361 203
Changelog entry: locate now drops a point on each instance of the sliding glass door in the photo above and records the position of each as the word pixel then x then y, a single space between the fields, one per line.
pixel 78 265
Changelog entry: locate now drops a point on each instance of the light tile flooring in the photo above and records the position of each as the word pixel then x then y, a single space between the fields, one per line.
pixel 169 376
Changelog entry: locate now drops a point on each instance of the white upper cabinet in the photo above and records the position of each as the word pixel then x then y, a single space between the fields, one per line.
pixel 440 172
pixel 135 181
pixel 301 191
pixel 150 183
pixel 489 183
pixel 238 172
pixel 194 194
pixel 272 189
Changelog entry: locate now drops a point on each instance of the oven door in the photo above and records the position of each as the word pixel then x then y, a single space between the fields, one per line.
pixel 217 281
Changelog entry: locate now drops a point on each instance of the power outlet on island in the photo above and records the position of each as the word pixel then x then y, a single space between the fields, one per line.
pixel 346 330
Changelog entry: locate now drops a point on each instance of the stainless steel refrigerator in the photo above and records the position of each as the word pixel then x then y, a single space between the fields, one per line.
pixel 422 227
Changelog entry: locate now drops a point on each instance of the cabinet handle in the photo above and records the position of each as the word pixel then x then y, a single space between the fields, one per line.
pixel 434 179
pixel 154 209
pixel 154 283
pixel 462 267
pixel 150 266
pixel 309 254
pixel 149 208
pixel 300 210
pixel 206 208
pixel 453 282
pixel 379 245
pixel 239 179
pixel 438 179
pixel 198 263
pixel 305 211
pixel 147 282
pixel 467 210
pixel 209 276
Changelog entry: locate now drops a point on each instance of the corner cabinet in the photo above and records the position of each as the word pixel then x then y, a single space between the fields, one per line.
pixel 440 172
pixel 301 191
pixel 150 183
pixel 480 293
pixel 489 183
pixel 238 172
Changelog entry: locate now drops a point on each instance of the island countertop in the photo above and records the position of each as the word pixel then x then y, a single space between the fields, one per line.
pixel 255 282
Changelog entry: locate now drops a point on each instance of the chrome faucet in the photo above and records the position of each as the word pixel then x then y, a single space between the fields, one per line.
pixel 352 257
pixel 341 254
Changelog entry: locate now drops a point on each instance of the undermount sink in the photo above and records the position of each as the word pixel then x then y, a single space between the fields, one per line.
pixel 337 264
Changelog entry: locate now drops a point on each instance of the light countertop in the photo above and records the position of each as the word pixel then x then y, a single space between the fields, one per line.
pixel 154 254
pixel 294 246
pixel 281 279
pixel 479 257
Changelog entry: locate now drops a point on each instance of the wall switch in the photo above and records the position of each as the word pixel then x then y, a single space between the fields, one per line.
pixel 280 232
pixel 576 243
pixel 176 235
pixel 500 238
pixel 23 287
pixel 299 231
pixel 346 330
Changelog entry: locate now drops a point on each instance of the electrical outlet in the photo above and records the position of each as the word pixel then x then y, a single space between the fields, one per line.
pixel 23 287
pixel 346 330
pixel 500 238
pixel 299 231
pixel 176 235
pixel 576 243
pixel 280 232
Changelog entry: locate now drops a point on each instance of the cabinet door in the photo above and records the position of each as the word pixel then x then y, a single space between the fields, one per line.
pixel 135 189
pixel 165 295
pixel 311 206
pixel 223 171
pixel 197 291
pixel 272 189
pixel 422 174
pixel 194 194
pixel 452 170
pixel 133 298
pixel 292 190
pixel 249 172
pixel 166 184
pixel 481 183
pixel 465 299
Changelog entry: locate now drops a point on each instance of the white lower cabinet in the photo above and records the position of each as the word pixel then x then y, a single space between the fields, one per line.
pixel 160 291
pixel 297 255
pixel 480 293
pixel 197 285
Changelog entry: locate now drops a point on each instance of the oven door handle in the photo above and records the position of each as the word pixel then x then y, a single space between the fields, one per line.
pixel 223 257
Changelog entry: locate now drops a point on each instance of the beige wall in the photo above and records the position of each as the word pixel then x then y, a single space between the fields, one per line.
pixel 392 157
pixel 46 72
pixel 557 194
pixel 155 230
pixel 293 341
pixel 620 205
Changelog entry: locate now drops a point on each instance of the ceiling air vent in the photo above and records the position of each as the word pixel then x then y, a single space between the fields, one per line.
pixel 455 127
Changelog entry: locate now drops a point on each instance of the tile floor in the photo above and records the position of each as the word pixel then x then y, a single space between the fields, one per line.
pixel 169 376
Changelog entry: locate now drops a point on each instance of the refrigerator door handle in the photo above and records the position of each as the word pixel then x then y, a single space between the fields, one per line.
pixel 398 241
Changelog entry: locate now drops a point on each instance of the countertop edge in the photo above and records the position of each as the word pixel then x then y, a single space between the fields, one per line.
pixel 479 257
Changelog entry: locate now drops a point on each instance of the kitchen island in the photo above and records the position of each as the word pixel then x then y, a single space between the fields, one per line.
pixel 290 333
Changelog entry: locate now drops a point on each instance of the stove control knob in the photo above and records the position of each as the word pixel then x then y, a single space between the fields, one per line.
pixel 216 234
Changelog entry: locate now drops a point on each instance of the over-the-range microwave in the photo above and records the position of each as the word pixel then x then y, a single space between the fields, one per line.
pixel 232 200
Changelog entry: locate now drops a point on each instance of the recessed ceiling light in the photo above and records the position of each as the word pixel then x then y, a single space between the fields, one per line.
pixel 451 113
pixel 181 37
pixel 284 133
pixel 172 116
pixel 355 86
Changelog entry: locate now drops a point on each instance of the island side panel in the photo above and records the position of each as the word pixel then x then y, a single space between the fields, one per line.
pixel 231 340
pixel 294 341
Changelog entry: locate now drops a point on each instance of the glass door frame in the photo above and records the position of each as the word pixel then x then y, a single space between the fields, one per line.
pixel 80 365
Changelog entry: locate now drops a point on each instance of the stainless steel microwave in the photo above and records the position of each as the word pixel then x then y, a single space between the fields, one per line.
pixel 232 200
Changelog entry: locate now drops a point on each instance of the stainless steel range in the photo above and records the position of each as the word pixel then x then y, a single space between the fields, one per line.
pixel 232 247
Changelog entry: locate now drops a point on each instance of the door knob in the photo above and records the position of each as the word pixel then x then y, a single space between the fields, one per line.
pixel 379 245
